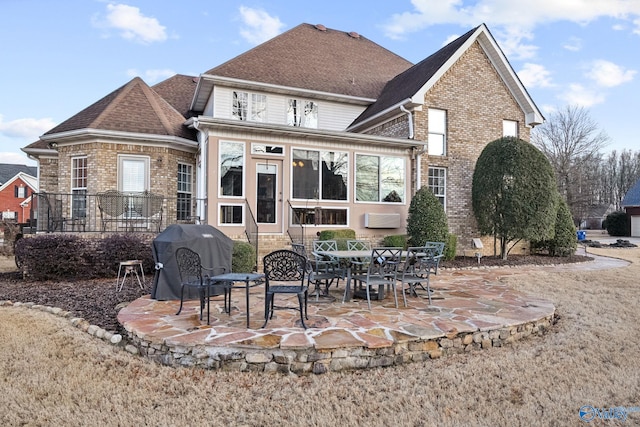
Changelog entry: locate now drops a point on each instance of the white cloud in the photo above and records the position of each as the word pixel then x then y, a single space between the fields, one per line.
pixel 574 44
pixel 131 24
pixel 151 76
pixel 259 26
pixel 535 75
pixel 16 158
pixel 507 15
pixel 27 128
pixel 608 74
pixel 577 94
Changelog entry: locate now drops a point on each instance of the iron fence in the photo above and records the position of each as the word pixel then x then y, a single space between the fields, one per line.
pixel 110 211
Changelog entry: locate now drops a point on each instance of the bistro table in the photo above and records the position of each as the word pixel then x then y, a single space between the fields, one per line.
pixel 348 255
pixel 256 278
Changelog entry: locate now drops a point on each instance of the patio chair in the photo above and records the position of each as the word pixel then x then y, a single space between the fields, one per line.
pixel 416 270
pixel 359 265
pixel 439 247
pixel 326 268
pixel 285 273
pixel 382 270
pixel 112 205
pixel 192 275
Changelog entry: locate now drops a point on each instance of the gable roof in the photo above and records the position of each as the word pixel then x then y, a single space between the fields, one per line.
pixel 9 171
pixel 134 108
pixel 314 58
pixel 632 198
pixel 29 180
pixel 409 87
pixel 178 91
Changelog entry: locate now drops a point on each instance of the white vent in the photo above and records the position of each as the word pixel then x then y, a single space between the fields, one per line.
pixel 382 220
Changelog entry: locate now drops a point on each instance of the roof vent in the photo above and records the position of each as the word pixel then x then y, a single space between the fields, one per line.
pixel 354 35
pixel 321 27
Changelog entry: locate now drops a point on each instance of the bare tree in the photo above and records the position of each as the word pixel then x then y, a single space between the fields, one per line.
pixel 572 141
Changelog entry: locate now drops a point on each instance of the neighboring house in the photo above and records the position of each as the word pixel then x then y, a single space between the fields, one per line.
pixel 313 129
pixel 17 183
pixel 631 205
pixel 596 215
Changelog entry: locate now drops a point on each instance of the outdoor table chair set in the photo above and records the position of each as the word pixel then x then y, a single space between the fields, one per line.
pixel 293 272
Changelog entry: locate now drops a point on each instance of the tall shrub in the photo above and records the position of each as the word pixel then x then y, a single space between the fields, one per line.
pixel 564 241
pixel 618 224
pixel 427 221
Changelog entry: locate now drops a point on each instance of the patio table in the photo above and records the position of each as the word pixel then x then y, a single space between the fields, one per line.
pixel 256 278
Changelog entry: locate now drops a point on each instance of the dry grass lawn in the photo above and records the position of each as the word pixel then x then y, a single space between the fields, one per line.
pixel 54 374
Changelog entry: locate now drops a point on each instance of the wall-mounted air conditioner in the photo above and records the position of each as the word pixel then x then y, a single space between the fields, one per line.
pixel 382 220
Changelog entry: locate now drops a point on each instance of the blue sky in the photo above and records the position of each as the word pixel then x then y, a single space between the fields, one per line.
pixel 60 57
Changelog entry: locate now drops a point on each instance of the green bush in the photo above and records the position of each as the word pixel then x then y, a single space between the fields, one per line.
pixel 427 221
pixel 618 224
pixel 244 257
pixel 340 236
pixel 450 247
pixel 564 241
pixel 395 241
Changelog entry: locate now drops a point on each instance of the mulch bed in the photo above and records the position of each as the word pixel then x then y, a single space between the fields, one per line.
pixel 97 301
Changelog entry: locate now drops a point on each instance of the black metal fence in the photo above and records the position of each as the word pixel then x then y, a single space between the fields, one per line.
pixel 110 211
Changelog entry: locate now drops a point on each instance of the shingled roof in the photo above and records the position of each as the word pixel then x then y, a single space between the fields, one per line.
pixel 178 92
pixel 135 108
pixel 9 170
pixel 408 83
pixel 317 58
pixel 632 198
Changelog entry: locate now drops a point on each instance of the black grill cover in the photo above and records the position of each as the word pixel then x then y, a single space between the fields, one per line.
pixel 214 247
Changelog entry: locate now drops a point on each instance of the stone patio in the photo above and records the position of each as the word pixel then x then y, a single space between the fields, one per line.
pixel 471 309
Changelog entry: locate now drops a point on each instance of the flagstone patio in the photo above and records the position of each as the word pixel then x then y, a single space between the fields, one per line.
pixel 471 309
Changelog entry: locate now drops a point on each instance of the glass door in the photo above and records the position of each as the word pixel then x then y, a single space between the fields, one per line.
pixel 267 193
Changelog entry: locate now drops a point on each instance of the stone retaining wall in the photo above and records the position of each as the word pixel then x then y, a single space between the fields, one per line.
pixel 309 361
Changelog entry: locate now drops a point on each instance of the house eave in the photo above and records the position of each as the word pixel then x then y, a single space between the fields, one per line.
pixel 302 133
pixel 117 136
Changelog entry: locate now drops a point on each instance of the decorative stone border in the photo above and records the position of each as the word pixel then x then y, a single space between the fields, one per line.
pixel 306 361
pixel 78 322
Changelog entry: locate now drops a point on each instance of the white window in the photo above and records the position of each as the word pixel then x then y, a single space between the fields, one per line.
pixel 380 178
pixel 437 139
pixel 133 173
pixel 79 176
pixel 240 106
pixel 231 215
pixel 320 175
pixel 185 193
pixel 258 107
pixel 509 128
pixel 231 169
pixel 437 183
pixel 245 107
pixel 302 113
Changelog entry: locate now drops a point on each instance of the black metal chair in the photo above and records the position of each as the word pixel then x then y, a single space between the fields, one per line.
pixel 436 250
pixel 417 268
pixel 192 275
pixel 284 273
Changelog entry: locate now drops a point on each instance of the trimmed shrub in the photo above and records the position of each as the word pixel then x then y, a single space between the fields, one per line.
pixel 54 256
pixel 244 257
pixel 395 241
pixel 450 247
pixel 618 224
pixel 340 236
pixel 564 241
pixel 427 221
pixel 122 247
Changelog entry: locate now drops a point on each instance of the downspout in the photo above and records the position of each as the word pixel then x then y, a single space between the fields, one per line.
pixel 410 118
pixel 201 211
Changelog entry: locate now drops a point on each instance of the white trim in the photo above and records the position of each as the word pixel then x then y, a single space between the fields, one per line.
pixel 244 169
pixel 230 224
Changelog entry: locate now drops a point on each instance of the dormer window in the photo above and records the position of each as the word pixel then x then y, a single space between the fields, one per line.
pixel 301 113
pixel 245 107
